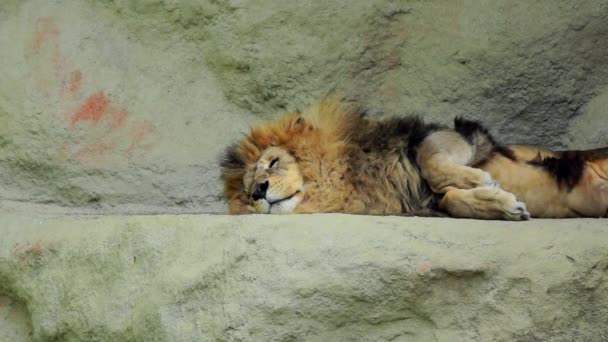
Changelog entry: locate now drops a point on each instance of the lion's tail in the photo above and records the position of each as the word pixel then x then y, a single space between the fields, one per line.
pixel 588 155
pixel 482 142
pixel 484 145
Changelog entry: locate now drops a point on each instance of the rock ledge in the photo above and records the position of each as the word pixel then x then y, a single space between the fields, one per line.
pixel 296 278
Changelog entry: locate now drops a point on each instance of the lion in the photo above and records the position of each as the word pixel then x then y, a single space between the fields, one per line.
pixel 331 158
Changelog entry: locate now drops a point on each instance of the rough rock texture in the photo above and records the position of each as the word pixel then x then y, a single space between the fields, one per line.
pixel 92 116
pixel 301 278
pixel 125 105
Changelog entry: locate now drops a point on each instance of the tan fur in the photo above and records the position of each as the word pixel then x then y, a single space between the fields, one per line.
pixel 313 172
pixel 541 193
pixel 443 157
pixel 319 139
pixel 483 203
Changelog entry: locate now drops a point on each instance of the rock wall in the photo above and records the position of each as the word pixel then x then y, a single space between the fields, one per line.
pixel 116 106
pixel 125 105
pixel 301 278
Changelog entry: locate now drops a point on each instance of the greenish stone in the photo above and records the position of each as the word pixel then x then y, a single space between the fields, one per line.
pixel 294 278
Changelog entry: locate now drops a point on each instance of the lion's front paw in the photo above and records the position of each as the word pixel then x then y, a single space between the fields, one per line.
pixel 502 201
pixel 490 203
pixel 517 212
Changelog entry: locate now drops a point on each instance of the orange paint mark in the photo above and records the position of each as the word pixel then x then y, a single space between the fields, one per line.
pixel 46 29
pixel 27 249
pixel 44 48
pixel 424 267
pixel 37 248
pixel 117 117
pixel 92 109
pixel 98 148
pixel 19 248
pixel 140 131
pixel 95 153
pixel 109 134
pixel 74 83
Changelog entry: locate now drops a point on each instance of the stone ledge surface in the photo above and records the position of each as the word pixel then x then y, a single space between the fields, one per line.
pixel 301 278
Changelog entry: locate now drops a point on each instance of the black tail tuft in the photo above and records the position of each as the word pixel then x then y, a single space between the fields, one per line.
pixel 481 140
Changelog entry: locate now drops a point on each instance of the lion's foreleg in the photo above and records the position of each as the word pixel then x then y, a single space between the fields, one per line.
pixel 489 203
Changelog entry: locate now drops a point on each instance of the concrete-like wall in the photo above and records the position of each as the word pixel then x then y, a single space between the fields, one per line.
pixel 125 105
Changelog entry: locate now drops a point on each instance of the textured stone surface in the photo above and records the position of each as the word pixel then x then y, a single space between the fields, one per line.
pixel 296 278
pixel 124 105
pixel 91 116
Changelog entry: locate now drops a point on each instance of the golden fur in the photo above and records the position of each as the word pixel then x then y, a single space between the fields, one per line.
pixel 329 158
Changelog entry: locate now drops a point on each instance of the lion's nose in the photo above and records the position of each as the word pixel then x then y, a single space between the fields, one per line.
pixel 260 191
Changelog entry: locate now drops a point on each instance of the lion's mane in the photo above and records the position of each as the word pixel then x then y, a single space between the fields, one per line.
pixel 349 164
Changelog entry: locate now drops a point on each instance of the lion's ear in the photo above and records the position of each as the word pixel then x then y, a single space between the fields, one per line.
pixel 232 161
pixel 233 170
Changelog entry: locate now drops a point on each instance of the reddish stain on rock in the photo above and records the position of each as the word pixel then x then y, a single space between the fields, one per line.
pixel 19 248
pixel 44 49
pixel 96 152
pixel 117 117
pixel 424 267
pixel 74 83
pixel 139 132
pixel 37 248
pixel 46 29
pixel 107 131
pixel 27 249
pixel 93 109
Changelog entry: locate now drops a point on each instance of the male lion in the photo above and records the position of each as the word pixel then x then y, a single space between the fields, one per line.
pixel 330 158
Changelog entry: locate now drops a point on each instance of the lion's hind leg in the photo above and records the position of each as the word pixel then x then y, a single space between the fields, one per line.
pixel 589 197
pixel 601 167
pixel 489 203
pixel 444 157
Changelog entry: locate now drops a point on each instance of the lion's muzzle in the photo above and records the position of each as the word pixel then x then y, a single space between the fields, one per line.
pixel 260 191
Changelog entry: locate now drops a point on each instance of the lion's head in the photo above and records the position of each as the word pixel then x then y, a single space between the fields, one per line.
pixel 282 164
pixel 261 174
pixel 328 158
pixel 275 184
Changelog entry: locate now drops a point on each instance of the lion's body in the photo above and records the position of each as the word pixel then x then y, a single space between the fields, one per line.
pixel 567 184
pixel 332 159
